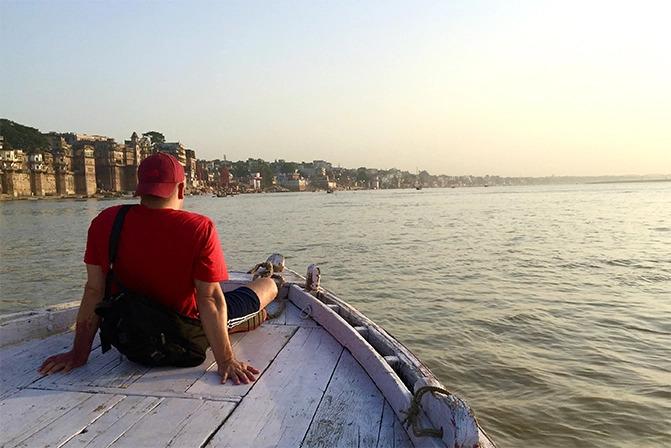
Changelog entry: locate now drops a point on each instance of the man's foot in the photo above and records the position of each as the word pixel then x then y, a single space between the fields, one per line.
pixel 273 265
pixel 251 323
pixel 280 282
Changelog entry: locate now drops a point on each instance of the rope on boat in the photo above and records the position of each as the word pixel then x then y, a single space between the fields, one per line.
pixel 306 312
pixel 412 414
pixel 257 272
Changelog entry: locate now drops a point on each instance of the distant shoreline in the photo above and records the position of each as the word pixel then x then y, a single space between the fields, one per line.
pixel 631 181
pixel 7 198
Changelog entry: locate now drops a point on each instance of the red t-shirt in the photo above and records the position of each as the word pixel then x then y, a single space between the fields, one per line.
pixel 160 253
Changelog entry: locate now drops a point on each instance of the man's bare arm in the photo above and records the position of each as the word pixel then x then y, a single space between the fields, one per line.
pixel 87 325
pixel 213 315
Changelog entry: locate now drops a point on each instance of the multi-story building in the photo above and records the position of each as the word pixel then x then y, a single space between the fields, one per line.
pixel 176 150
pixel 83 160
pixel 15 172
pixel 42 177
pixel 110 162
pixel 292 181
pixel 85 164
pixel 62 164
pixel 322 180
pixel 137 149
pixel 190 169
pixel 84 169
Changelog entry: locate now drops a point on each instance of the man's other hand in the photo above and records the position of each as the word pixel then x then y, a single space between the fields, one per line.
pixel 61 362
pixel 238 372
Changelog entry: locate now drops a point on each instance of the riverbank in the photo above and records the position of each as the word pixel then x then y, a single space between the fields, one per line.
pixel 126 195
pixel 102 197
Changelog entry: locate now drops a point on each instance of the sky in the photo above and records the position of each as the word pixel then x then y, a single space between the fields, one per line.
pixel 510 88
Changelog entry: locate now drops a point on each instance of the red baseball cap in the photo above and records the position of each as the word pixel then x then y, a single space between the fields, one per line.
pixel 158 174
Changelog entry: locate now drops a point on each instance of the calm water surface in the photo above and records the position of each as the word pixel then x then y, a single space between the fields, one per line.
pixel 548 308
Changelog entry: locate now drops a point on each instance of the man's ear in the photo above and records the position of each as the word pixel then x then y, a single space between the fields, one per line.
pixel 180 190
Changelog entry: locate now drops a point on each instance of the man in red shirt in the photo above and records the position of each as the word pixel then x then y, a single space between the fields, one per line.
pixel 172 256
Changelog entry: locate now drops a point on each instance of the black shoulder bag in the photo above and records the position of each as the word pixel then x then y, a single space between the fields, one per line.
pixel 143 330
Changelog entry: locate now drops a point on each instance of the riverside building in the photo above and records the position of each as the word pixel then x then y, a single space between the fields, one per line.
pixel 82 165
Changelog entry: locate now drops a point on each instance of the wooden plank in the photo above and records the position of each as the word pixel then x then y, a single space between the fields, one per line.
pixel 262 347
pixel 291 315
pixel 190 421
pixel 299 318
pixel 202 424
pixel 122 391
pixel 350 412
pixel 72 422
pixel 278 409
pixel 8 352
pixel 384 377
pixel 20 369
pixel 272 308
pixel 37 324
pixel 160 425
pixel 111 425
pixel 28 411
pixel 42 347
pixel 81 376
pixel 118 374
pixel 258 348
pixel 169 379
pixel 392 433
pixel 7 317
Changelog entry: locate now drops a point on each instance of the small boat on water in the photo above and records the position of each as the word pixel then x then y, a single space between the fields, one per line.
pixel 330 377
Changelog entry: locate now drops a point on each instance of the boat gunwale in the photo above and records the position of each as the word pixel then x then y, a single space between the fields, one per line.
pixel 410 370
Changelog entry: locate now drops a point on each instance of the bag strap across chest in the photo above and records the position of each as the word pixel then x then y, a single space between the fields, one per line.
pixel 115 236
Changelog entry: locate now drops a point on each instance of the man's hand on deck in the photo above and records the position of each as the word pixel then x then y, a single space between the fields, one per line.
pixel 87 326
pixel 238 372
pixel 62 362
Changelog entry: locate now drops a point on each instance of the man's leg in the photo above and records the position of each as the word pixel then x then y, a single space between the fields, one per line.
pixel 265 289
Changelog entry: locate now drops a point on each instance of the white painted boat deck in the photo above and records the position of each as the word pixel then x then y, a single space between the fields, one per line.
pixel 311 392
pixel 330 377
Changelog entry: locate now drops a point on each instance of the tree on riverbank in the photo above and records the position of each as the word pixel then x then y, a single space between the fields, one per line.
pixel 156 137
pixel 17 136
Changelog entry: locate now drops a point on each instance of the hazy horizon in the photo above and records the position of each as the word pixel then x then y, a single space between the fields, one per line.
pixel 481 87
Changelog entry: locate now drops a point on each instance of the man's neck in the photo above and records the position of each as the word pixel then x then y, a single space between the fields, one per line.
pixel 158 203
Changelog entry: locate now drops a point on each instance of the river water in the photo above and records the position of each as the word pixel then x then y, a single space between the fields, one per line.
pixel 548 308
